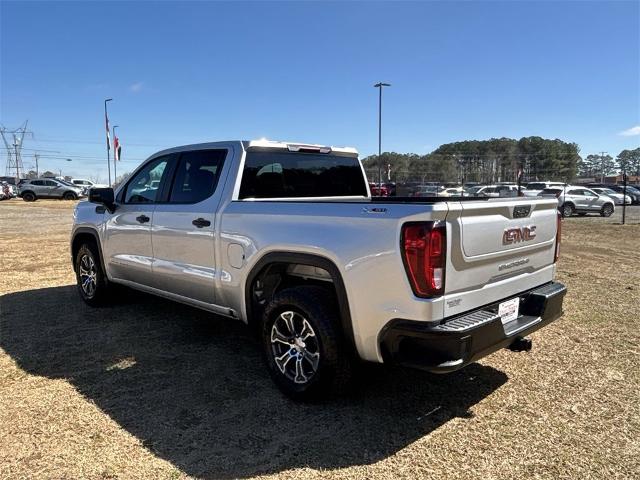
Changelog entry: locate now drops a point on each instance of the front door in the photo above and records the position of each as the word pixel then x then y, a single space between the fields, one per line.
pixel 183 228
pixel 127 245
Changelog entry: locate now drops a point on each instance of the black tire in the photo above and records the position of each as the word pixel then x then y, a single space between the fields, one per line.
pixel 69 196
pixel 333 368
pixel 86 258
pixel 29 197
pixel 607 210
pixel 568 209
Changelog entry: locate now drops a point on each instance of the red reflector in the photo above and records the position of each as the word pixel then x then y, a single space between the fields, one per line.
pixel 424 250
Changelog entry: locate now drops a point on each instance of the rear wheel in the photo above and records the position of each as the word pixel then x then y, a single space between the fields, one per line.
pixel 92 282
pixel 303 345
pixel 29 197
pixel 607 210
pixel 568 210
pixel 69 196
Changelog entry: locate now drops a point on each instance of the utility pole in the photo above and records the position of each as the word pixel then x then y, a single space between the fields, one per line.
pixel 379 86
pixel 15 146
pixel 37 156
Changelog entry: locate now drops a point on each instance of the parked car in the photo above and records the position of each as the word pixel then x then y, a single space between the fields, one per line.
pixel 582 200
pixel 284 237
pixel 618 198
pixel 632 191
pixel 534 188
pixel 452 192
pixel 496 191
pixel 31 190
pixel 378 190
pixel 86 185
pixel 427 191
pixel 7 191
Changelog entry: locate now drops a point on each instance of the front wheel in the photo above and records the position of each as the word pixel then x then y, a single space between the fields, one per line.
pixel 69 196
pixel 303 345
pixel 607 210
pixel 92 283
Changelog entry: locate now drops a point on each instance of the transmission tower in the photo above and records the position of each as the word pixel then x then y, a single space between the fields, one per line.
pixel 13 140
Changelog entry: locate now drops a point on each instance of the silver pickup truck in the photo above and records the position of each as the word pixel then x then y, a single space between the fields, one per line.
pixel 286 238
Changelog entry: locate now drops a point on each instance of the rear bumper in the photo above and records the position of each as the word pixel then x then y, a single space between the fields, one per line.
pixel 457 341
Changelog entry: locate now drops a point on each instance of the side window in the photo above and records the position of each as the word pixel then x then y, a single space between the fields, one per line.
pixel 51 183
pixel 37 183
pixel 197 175
pixel 588 193
pixel 144 187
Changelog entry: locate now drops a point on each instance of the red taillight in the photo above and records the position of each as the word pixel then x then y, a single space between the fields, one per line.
pixel 558 238
pixel 424 248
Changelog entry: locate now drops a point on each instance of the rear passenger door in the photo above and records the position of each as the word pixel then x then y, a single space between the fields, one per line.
pixel 183 227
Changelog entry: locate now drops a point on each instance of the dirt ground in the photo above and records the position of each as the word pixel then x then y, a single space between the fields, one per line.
pixel 151 389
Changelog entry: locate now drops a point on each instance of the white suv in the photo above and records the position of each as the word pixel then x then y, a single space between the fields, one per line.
pixel 580 200
pixel 87 184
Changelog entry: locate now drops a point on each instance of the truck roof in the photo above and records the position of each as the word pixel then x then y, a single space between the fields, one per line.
pixel 264 143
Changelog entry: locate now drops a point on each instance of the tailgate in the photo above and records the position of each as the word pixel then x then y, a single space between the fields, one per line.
pixel 498 248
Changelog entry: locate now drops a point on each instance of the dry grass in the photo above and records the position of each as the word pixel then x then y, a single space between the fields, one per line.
pixel 150 389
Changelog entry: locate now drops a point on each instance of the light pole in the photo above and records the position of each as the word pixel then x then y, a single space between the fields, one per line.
pixel 115 153
pixel 379 86
pixel 106 122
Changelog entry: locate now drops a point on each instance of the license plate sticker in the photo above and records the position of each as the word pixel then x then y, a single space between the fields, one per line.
pixel 508 310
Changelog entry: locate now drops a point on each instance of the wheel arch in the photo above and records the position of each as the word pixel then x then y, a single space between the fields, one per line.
pixel 80 236
pixel 262 266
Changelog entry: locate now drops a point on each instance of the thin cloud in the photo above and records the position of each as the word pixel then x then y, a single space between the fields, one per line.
pixel 631 132
pixel 135 87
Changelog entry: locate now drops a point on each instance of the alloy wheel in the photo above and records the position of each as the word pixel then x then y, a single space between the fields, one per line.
pixel 88 274
pixel 295 347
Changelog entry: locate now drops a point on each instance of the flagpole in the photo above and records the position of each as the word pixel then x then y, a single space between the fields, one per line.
pixel 115 153
pixel 106 120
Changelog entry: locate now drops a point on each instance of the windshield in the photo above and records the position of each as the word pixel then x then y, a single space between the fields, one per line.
pixel 282 174
pixel 64 182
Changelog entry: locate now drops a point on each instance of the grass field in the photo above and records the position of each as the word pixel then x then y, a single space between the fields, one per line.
pixel 151 389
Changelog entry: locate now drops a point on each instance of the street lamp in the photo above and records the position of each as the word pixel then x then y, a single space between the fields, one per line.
pixel 106 122
pixel 379 86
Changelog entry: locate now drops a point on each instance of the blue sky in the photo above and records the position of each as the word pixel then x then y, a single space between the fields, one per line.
pixel 202 71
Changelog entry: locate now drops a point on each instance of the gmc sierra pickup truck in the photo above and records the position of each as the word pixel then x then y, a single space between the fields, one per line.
pixel 287 238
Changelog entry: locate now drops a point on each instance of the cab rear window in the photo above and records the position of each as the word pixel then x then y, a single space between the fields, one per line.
pixel 276 174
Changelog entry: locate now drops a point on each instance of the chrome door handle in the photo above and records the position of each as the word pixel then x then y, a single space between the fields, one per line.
pixel 201 222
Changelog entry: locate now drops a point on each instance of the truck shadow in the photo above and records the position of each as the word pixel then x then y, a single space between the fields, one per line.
pixel 193 389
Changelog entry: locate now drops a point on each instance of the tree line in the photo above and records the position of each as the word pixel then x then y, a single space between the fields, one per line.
pixel 494 160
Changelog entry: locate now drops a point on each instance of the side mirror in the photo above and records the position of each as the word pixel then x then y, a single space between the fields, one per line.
pixel 103 196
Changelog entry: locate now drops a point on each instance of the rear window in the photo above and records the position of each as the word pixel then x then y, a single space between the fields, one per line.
pixel 276 174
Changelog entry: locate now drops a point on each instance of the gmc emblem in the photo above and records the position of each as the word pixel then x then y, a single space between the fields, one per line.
pixel 515 235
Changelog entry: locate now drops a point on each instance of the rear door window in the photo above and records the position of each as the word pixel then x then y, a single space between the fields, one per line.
pixel 282 174
pixel 197 175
